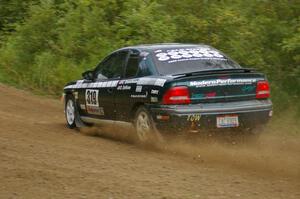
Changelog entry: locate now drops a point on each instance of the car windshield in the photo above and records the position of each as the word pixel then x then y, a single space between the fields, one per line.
pixel 185 60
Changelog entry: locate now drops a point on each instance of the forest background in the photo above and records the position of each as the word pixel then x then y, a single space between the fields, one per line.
pixel 46 43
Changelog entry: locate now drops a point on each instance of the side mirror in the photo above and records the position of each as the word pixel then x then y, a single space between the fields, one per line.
pixel 88 75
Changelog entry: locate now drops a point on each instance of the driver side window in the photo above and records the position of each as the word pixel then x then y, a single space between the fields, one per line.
pixel 112 67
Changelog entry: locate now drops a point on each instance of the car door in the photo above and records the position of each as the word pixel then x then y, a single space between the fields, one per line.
pixel 128 93
pixel 100 96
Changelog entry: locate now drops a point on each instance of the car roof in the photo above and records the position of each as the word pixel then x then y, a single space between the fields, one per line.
pixel 160 46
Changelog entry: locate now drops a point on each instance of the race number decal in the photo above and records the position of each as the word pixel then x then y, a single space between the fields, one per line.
pixel 91 97
pixel 92 102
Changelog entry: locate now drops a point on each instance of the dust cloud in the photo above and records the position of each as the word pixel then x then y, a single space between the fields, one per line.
pixel 272 153
pixel 267 155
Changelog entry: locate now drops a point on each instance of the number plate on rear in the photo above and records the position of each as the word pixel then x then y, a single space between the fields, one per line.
pixel 227 121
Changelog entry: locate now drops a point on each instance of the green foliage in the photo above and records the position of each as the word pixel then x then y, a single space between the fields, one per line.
pixel 23 47
pixel 46 43
pixel 12 12
pixel 142 22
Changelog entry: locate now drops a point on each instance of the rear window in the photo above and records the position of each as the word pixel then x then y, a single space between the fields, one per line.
pixel 185 60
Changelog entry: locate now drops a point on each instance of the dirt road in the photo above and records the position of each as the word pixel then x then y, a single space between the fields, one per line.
pixel 40 158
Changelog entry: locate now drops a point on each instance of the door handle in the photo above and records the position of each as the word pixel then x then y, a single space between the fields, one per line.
pixel 109 90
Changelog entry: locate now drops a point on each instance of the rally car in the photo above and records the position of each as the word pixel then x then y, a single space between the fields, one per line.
pixel 158 87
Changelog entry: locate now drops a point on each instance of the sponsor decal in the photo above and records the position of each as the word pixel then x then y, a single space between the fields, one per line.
pixel 146 81
pixel 110 84
pixel 222 82
pixel 114 83
pixel 187 54
pixel 139 95
pixel 106 84
pixel 123 87
pixel 85 85
pixel 95 110
pixel 160 82
pixel 151 81
pixel 102 85
pixel 154 92
pixel 79 84
pixel 138 89
pixel 195 59
pixel 129 81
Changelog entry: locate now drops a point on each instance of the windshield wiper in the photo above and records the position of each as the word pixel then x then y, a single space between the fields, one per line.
pixel 215 71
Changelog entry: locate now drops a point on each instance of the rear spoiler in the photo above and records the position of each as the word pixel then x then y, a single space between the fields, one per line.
pixel 215 71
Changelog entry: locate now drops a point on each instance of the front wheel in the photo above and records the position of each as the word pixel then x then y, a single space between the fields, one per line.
pixel 70 112
pixel 145 128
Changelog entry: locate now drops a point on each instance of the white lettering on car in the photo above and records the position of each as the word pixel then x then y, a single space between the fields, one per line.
pixel 123 87
pixel 138 89
pixel 187 54
pixel 111 84
pixel 160 82
pixel 222 82
pixel 151 81
pixel 154 92
pixel 140 95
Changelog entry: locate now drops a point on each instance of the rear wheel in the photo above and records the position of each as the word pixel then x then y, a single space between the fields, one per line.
pixel 70 112
pixel 145 128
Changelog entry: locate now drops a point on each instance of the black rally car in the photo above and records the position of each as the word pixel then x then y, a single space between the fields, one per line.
pixel 169 86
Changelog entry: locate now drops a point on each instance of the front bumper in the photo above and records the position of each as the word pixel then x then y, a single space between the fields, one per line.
pixel 185 117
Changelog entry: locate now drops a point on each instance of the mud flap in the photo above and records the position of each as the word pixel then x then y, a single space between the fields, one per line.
pixel 79 123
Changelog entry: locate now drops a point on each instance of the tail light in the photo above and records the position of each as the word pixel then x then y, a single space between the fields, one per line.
pixel 177 95
pixel 262 90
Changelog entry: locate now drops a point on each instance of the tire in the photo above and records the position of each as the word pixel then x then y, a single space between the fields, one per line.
pixel 70 112
pixel 145 129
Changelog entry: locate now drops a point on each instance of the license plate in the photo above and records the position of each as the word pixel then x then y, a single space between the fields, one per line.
pixel 227 121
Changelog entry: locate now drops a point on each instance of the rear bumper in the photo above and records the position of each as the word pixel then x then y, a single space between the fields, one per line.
pixel 183 117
